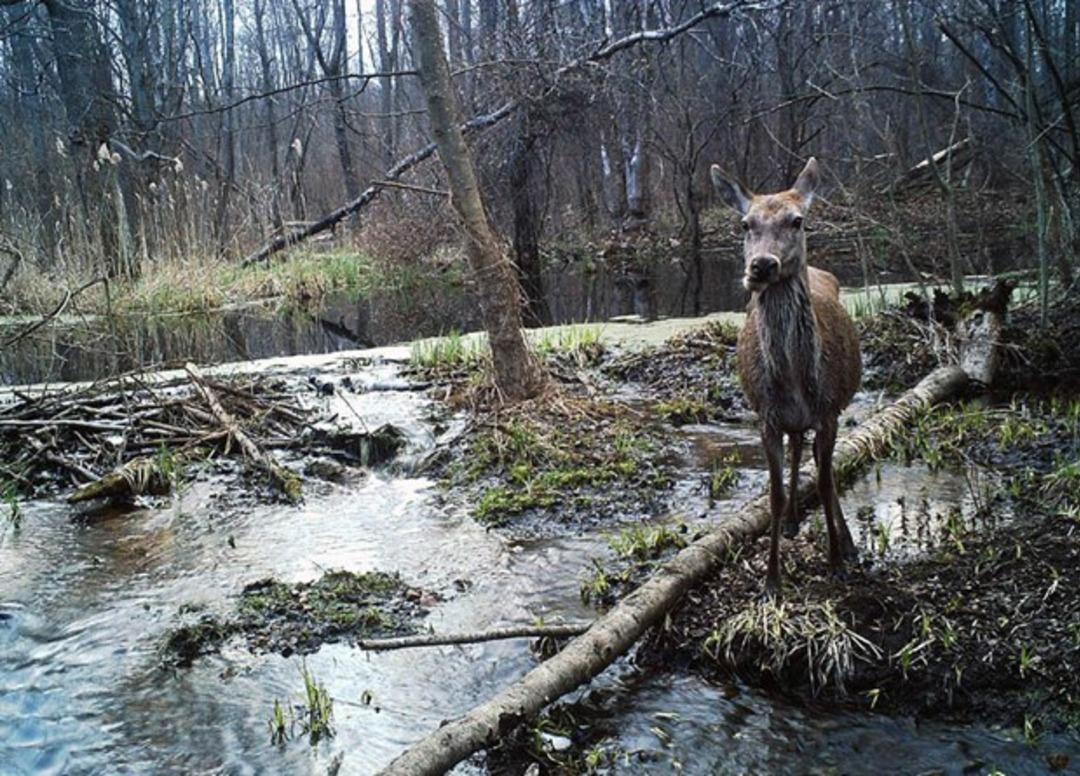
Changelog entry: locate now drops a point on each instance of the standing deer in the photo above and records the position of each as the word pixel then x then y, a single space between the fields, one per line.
pixel 798 353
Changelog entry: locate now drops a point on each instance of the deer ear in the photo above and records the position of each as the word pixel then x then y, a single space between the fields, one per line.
pixel 731 190
pixel 807 182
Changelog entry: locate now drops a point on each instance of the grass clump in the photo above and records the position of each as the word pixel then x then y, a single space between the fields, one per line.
pixel 682 410
pixel 776 637
pixel 643 543
pixel 723 477
pixel 314 714
pixel 450 353
pixel 9 494
pixel 578 342
pixel 528 463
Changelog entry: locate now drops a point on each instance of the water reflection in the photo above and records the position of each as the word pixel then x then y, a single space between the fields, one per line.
pixel 97 348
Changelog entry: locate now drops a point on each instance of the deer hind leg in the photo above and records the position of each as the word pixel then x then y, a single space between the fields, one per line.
pixel 841 547
pixel 773 442
pixel 791 526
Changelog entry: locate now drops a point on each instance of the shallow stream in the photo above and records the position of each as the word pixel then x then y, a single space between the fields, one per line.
pixel 86 596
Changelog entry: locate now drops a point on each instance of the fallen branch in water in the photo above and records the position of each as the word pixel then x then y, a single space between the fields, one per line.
pixel 284 479
pixel 475 637
pixel 616 631
pixel 57 311
pixel 134 478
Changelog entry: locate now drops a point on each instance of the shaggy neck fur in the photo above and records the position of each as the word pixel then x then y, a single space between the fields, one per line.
pixel 790 343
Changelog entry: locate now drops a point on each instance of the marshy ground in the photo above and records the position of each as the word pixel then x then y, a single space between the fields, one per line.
pixel 964 610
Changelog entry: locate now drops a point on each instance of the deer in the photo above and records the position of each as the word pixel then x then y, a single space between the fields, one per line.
pixel 798 354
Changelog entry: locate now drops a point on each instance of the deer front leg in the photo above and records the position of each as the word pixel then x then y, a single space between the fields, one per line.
pixel 773 442
pixel 841 547
pixel 791 527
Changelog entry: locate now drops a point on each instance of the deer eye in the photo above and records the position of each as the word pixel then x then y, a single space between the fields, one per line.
pixel 746 226
pixel 796 222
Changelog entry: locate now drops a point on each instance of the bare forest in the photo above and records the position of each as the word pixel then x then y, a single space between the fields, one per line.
pixel 143 133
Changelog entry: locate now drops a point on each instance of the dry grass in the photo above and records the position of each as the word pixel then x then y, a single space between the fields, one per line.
pixel 776 637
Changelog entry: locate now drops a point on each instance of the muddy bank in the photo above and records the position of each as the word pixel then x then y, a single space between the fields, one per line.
pixel 984 627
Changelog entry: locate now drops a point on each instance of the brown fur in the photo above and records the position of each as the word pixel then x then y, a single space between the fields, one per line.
pixel 840 367
pixel 798 353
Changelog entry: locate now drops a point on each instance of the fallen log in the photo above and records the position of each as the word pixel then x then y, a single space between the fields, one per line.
pixel 477 637
pixel 285 481
pixel 615 632
pixel 281 242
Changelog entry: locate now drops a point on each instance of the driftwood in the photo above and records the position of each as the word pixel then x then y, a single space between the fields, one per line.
pixel 450 639
pixel 477 123
pixel 615 632
pixel 285 480
pixel 134 478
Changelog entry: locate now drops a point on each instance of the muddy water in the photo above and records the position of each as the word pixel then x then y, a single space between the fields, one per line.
pixel 85 598
pixel 664 724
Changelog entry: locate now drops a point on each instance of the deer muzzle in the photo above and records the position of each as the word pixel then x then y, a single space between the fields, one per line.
pixel 761 270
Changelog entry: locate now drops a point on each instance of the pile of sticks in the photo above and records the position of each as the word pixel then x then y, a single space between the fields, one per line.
pixel 127 435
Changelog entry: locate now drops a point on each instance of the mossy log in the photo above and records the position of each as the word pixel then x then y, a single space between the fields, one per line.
pixel 284 480
pixel 615 632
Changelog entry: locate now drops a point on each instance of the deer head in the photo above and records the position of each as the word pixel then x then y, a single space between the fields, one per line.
pixel 774 245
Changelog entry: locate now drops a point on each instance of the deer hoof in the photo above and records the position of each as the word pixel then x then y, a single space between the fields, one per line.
pixel 772 590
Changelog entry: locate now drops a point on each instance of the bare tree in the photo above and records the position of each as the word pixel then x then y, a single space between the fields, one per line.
pixel 517 373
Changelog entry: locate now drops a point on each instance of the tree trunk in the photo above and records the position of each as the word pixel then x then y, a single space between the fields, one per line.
pixel 517 373
pixel 228 139
pixel 266 73
pixel 86 89
pixel 527 222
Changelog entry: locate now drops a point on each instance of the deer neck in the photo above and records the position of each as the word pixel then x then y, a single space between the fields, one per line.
pixel 789 339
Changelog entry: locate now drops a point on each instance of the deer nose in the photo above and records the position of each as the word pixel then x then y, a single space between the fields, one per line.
pixel 763 267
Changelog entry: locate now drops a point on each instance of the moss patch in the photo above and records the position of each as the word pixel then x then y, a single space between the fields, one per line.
pixel 563 461
pixel 273 616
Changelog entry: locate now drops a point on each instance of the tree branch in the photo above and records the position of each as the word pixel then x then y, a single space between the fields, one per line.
pixel 495 634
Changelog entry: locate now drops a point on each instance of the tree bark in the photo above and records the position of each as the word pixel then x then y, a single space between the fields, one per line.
pixel 517 372
pixel 527 221
pixel 615 632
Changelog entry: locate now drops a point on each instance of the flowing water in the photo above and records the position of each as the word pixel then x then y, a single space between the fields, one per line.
pixel 86 596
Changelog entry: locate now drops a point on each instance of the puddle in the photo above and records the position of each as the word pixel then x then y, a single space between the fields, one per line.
pixel 899 511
